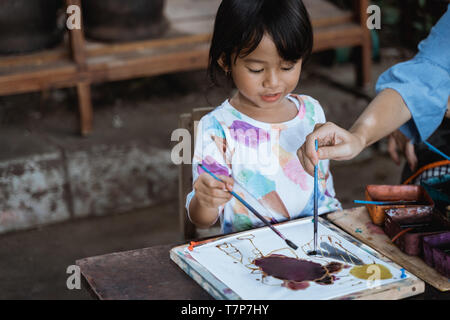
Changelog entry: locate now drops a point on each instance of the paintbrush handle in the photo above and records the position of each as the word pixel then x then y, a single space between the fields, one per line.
pixel 256 213
pixel 384 203
pixel 316 194
pixel 436 150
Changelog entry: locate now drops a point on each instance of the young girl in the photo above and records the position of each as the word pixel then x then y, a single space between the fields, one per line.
pixel 251 140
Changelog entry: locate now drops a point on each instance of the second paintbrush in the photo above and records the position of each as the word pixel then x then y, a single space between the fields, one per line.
pixel 256 213
pixel 316 207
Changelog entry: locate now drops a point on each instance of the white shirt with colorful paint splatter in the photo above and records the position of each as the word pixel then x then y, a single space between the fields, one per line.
pixel 262 159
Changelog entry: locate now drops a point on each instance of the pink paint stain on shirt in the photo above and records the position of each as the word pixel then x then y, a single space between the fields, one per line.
pixel 295 172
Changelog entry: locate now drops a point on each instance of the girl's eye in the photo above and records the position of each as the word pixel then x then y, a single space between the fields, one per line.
pixel 255 71
pixel 287 68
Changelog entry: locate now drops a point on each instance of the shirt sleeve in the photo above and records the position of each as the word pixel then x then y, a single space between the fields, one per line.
pixel 423 82
pixel 211 151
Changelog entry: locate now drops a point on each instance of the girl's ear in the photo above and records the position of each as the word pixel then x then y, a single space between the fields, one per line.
pixel 222 64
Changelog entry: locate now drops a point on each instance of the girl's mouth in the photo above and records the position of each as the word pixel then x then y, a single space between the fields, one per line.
pixel 271 97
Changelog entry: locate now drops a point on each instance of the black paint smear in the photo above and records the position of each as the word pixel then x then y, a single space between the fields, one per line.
pixel 295 272
pixel 337 254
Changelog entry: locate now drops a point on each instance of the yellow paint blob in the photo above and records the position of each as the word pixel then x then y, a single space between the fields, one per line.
pixel 372 271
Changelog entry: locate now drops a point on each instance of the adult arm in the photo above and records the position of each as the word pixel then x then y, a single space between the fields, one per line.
pixel 413 94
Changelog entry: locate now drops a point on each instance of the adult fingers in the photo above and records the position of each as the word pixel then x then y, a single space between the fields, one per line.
pixel 340 151
pixel 334 143
pixel 411 156
pixel 306 163
pixel 307 153
pixel 392 149
pixel 309 146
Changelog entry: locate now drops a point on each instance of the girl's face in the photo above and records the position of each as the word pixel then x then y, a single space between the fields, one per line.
pixel 263 78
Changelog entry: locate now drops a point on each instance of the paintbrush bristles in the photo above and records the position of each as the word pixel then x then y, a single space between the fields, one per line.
pixel 291 244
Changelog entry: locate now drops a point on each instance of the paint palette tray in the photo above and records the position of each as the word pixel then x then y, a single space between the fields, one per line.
pixel 408 193
pixel 229 267
pixel 437 252
pixel 408 237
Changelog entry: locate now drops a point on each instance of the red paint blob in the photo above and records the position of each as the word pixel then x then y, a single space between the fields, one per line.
pixel 296 285
pixel 297 272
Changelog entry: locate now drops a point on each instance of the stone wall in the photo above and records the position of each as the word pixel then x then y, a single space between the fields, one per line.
pixel 63 184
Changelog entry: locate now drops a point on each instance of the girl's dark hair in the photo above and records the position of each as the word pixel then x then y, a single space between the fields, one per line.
pixel 241 24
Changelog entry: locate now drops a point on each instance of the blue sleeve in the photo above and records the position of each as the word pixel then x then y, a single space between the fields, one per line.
pixel 424 82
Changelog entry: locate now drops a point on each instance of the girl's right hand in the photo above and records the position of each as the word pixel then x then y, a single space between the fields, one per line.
pixel 211 193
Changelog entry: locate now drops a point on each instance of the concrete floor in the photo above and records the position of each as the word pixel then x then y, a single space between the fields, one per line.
pixel 33 263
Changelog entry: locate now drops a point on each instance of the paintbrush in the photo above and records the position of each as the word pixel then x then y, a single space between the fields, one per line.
pixel 436 150
pixel 391 203
pixel 316 208
pixel 249 207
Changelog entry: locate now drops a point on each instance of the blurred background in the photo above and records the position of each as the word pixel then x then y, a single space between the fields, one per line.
pixel 86 117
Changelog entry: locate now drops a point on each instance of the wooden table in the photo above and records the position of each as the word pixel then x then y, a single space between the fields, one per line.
pixel 150 274
pixel 137 275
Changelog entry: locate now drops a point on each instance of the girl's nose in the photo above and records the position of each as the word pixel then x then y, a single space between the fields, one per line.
pixel 271 80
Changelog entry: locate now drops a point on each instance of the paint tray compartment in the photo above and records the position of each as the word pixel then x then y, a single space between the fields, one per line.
pixel 436 249
pixel 424 203
pixel 408 233
pixel 438 188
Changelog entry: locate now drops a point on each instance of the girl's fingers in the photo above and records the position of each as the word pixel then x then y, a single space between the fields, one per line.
pixel 219 193
pixel 212 201
pixel 207 185
pixel 229 182
pixel 210 182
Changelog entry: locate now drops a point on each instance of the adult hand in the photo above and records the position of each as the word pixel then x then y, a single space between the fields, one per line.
pixel 211 193
pixel 397 141
pixel 334 143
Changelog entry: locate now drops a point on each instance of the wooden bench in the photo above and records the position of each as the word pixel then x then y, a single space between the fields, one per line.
pixel 79 62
